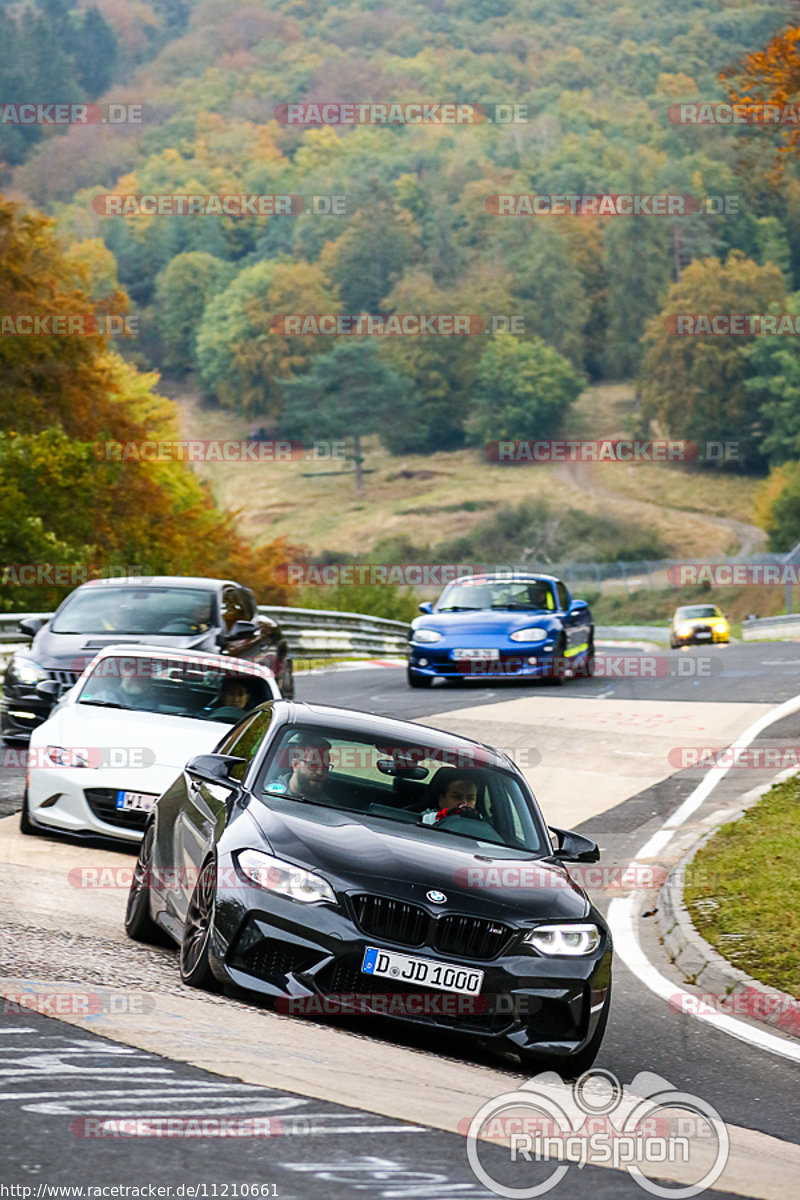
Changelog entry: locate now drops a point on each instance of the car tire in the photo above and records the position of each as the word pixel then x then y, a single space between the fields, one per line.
pixel 415 680
pixel 559 664
pixel 26 825
pixel 673 645
pixel 139 924
pixel 576 1064
pixel 195 967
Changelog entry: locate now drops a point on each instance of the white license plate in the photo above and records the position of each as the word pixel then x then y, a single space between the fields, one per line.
pixel 135 801
pixel 702 634
pixel 426 971
pixel 466 654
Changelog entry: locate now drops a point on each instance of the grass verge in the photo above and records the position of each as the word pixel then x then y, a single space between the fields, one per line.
pixel 741 889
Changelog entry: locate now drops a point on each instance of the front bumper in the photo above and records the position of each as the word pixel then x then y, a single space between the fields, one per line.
pixel 701 637
pixel 309 963
pixel 517 663
pixel 82 800
pixel 22 709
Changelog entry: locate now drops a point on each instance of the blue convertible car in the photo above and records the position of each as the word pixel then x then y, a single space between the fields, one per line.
pixel 495 626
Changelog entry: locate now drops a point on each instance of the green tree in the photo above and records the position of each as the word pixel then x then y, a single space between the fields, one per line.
pixel 183 290
pixel 523 390
pixel 773 384
pixel 695 387
pixel 242 354
pixel 348 393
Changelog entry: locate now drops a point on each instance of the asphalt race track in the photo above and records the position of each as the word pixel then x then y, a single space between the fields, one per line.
pixel 366 1108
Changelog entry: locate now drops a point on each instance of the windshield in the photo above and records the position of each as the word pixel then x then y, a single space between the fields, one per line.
pixel 698 610
pixel 443 791
pixel 137 610
pixel 174 687
pixel 535 595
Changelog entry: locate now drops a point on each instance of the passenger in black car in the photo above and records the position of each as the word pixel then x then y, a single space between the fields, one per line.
pixel 456 795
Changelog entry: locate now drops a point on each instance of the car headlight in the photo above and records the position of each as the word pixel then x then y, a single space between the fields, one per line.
pixel 684 630
pixel 534 634
pixel 425 636
pixel 275 875
pixel 27 671
pixel 570 940
pixel 721 627
pixel 61 756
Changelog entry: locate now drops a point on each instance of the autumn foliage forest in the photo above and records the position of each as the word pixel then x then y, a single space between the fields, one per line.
pixel 589 296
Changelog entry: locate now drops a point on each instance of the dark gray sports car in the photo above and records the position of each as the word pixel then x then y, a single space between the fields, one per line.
pixel 337 862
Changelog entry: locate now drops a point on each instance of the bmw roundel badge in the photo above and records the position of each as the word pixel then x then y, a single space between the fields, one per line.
pixel 436 897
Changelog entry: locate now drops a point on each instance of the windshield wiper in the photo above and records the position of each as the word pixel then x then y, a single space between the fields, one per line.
pixel 105 704
pixel 459 608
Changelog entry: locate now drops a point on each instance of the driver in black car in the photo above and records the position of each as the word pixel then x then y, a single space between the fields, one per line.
pixel 311 765
pixel 457 796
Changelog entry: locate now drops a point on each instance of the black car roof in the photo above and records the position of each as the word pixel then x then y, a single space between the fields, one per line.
pixel 354 721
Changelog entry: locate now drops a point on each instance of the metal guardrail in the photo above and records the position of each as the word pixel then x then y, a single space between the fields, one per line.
pixel 312 632
pixel 759 629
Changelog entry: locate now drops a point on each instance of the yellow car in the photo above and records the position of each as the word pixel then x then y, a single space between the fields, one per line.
pixel 697 623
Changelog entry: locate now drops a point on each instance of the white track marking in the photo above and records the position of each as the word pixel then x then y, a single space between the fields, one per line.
pixel 622 912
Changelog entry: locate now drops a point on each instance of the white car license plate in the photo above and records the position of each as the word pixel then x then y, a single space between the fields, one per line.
pixel 703 633
pixel 135 801
pixel 466 654
pixel 404 967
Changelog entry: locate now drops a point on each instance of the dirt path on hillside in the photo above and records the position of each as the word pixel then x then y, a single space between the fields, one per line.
pixel 580 477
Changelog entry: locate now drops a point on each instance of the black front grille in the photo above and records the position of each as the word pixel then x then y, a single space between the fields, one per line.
pixel 409 925
pixel 65 678
pixel 103 803
pixel 391 920
pixel 469 937
pixel 271 958
pixel 483 1014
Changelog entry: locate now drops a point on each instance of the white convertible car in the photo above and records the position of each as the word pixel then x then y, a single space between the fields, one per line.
pixel 117 739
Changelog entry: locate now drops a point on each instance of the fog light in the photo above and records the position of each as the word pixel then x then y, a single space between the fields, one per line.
pixel 423 662
pixel 532 662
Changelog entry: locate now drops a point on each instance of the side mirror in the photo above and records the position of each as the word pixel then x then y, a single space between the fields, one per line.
pixel 48 687
pixel 574 847
pixel 214 768
pixel 578 606
pixel 239 632
pixel 426 606
pixel 30 626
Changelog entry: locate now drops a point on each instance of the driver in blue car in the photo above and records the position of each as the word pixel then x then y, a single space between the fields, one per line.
pixel 458 796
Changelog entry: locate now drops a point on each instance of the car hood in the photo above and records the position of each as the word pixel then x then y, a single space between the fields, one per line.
pixel 485 621
pixel 73 651
pixel 167 741
pixel 406 862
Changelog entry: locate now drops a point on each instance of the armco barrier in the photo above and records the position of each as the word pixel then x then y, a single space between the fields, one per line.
pixel 310 632
pixel 761 629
